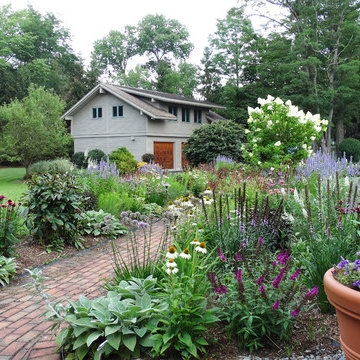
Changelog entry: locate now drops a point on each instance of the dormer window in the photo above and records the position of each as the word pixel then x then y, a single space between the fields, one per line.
pixel 197 116
pixel 97 113
pixel 118 111
pixel 186 115
pixel 173 110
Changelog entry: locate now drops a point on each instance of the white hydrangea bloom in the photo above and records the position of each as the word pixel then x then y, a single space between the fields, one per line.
pixel 278 143
pixel 288 103
pixel 278 101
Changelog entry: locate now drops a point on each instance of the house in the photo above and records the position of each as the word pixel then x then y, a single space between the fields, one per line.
pixel 143 121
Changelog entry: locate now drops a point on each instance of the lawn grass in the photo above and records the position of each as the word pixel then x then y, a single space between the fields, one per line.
pixel 11 183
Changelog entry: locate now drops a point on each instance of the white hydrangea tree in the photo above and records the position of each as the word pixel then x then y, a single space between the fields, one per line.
pixel 280 134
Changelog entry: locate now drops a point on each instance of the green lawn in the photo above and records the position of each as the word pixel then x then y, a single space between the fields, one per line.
pixel 11 183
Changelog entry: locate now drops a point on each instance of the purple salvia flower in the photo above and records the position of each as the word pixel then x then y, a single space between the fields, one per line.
pixel 277 280
pixel 295 274
pixel 312 293
pixel 275 305
pixel 295 312
pixel 241 227
pixel 221 255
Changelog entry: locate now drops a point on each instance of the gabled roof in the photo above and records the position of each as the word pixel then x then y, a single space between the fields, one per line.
pixel 167 97
pixel 213 116
pixel 141 105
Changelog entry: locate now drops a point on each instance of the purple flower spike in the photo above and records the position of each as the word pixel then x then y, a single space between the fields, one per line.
pixel 260 280
pixel 260 241
pixel 238 257
pixel 295 274
pixel 277 280
pixel 295 312
pixel 221 255
pixel 312 293
pixel 275 305
pixel 262 289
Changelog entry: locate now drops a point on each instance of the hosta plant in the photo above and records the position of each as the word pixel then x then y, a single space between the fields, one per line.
pixel 7 269
pixel 99 223
pixel 118 324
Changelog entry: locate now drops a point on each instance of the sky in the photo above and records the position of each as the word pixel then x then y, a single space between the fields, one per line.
pixel 89 21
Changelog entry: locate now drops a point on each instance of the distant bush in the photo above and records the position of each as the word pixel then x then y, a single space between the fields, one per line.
pixel 209 141
pixel 148 157
pixel 351 148
pixel 96 155
pixel 115 203
pixel 124 160
pixel 59 166
pixel 79 160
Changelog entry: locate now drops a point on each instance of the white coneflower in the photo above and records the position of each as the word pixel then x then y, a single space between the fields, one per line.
pixel 173 227
pixel 194 224
pixel 171 263
pixel 185 254
pixel 171 271
pixel 207 191
pixel 195 242
pixel 172 253
pixel 201 248
pixel 208 201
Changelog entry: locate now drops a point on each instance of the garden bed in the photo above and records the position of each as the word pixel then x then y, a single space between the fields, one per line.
pixel 31 255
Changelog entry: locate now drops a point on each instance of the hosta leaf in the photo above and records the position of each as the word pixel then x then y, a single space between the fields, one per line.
pixel 129 341
pixel 92 337
pixel 112 329
pixel 114 340
pixel 141 332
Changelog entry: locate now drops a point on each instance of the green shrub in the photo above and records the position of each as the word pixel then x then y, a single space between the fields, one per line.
pixel 7 269
pixel 209 141
pixel 60 166
pixel 148 158
pixel 79 160
pixel 96 155
pixel 124 160
pixel 89 200
pixel 53 204
pixel 351 148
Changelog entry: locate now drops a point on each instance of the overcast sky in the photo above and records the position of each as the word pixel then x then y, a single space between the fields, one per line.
pixel 89 20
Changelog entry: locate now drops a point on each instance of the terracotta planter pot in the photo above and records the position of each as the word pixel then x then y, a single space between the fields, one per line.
pixel 347 304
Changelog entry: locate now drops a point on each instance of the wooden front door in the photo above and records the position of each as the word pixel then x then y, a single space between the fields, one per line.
pixel 164 154
pixel 184 162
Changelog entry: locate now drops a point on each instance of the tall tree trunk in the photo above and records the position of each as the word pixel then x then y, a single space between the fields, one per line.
pixel 339 131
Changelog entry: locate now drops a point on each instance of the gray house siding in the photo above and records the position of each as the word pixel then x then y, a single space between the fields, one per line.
pixel 109 133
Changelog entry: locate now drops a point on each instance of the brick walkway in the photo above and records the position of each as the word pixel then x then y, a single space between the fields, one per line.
pixel 23 334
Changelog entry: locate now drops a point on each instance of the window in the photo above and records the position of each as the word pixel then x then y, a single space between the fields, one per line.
pixel 97 113
pixel 173 110
pixel 118 111
pixel 185 115
pixel 197 116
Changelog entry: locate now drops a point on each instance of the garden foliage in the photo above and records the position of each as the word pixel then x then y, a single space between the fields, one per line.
pixel 124 160
pixel 279 133
pixel 209 141
pixel 53 203
pixel 59 166
pixel 350 148
pixel 95 155
pixel 7 269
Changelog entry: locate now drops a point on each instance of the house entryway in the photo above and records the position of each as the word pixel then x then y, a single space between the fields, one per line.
pixel 164 154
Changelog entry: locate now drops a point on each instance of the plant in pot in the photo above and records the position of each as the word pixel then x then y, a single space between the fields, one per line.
pixel 342 286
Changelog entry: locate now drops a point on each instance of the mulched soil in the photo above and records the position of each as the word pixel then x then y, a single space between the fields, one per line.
pixel 315 333
pixel 31 255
